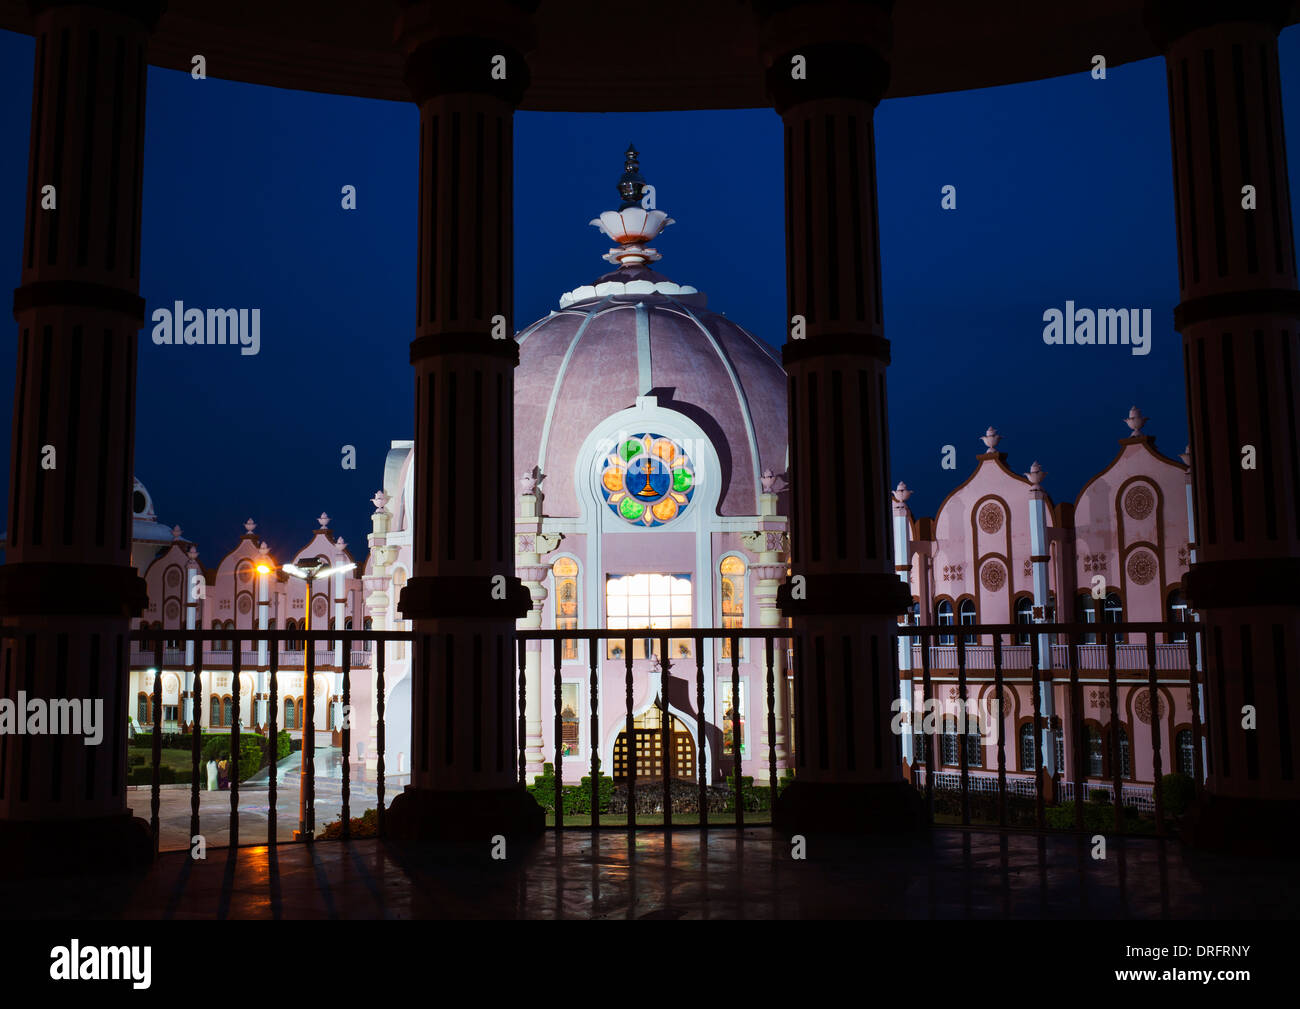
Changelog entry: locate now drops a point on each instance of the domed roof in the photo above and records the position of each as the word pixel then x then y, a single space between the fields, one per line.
pixel 634 333
pixel 145 526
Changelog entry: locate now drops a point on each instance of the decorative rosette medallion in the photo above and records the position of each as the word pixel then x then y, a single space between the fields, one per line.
pixel 648 480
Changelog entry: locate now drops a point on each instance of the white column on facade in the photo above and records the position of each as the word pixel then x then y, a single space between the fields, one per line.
pixel 195 589
pixel 377 609
pixel 1199 699
pixel 1039 557
pixel 340 581
pixel 263 616
pixel 903 566
pixel 772 544
pixel 530 544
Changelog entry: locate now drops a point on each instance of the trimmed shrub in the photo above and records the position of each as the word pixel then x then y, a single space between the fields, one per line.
pixel 1176 792
pixel 576 798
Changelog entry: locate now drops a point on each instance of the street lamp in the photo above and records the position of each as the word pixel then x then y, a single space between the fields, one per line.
pixel 309 571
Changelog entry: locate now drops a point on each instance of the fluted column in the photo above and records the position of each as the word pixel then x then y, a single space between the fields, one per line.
pixel 1239 316
pixel 844 595
pixel 1039 557
pixel 464 597
pixel 903 569
pixel 69 586
pixel 377 609
pixel 530 544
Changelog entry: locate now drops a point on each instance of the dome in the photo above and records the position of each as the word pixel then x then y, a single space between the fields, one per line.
pixel 146 527
pixel 635 337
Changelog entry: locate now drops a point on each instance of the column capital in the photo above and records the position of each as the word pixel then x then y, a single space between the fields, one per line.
pixel 1169 20
pixel 477 49
pixel 825 49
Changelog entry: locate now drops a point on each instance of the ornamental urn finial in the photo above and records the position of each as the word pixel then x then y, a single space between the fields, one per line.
pixel 1186 456
pixel 1135 420
pixel 249 526
pixel 991 438
pixel 1036 474
pixel 340 543
pixel 193 553
pixel 901 493
pixel 176 532
pixel 324 520
pixel 379 500
pixel 263 549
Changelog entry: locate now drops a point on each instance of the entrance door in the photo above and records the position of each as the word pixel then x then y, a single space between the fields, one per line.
pixel 649 750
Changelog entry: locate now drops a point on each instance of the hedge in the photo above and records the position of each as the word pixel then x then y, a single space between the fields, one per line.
pixel 576 798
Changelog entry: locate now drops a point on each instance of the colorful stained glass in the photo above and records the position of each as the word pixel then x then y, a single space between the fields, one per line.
pixel 648 480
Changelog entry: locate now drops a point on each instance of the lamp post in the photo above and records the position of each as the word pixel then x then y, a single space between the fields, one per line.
pixel 309 572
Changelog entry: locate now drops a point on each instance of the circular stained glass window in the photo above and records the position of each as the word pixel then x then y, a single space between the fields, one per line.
pixel 648 480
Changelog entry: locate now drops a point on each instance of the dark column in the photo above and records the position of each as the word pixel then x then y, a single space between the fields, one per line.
pixel 464 597
pixel 68 588
pixel 844 595
pixel 1238 317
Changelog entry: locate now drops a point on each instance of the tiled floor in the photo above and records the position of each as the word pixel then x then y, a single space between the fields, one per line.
pixel 947 873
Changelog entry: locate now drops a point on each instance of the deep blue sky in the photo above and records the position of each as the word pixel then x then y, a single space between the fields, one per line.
pixel 1063 191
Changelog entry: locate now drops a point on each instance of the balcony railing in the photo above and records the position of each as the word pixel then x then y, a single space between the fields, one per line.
pixel 1020 664
pixel 144 652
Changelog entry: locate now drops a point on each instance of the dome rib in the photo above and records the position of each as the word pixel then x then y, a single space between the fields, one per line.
pixel 559 377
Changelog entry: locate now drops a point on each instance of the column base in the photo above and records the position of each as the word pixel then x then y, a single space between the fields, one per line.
pixel 427 815
pixel 1260 827
pixel 865 808
pixel 104 845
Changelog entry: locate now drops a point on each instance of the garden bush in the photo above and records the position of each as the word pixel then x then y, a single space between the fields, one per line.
pixel 576 798
pixel 1176 792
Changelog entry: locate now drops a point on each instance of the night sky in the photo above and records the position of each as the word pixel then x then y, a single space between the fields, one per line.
pixel 1064 191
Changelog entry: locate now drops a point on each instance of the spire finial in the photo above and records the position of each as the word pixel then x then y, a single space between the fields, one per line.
pixel 633 225
pixel 631 186
pixel 991 438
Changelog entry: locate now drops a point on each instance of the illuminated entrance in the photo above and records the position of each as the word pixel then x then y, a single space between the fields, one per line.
pixel 649 749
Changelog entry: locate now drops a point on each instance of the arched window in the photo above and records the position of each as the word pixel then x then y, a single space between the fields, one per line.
pixel 1024 615
pixel 731 584
pixel 944 617
pixel 1094 752
pixel 565 570
pixel 950 757
pixel 302 711
pixel 290 714
pixel 142 709
pixel 292 644
pixel 214 711
pixel 368 625
pixel 1113 613
pixel 1183 752
pixel 1177 611
pixel 1084 613
pixel 966 611
pixel 1125 766
pixel 1027 748
pixel 227 710
pixel 229 626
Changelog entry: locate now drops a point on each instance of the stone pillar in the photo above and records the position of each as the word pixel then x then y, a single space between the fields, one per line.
pixel 903 570
pixel 68 587
pixel 844 596
pixel 1195 656
pixel 771 543
pixel 195 590
pixel 377 609
pixel 1239 315
pixel 1039 558
pixel 464 597
pixel 261 717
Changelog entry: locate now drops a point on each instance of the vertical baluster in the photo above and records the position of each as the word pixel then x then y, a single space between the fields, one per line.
pixel 1040 815
pixel 1156 763
pixel 961 735
pixel 196 742
pixel 1002 749
pixel 630 751
pixel 594 680
pixel 1117 771
pixel 927 746
pixel 557 644
pixel 735 727
pixel 381 652
pixel 701 756
pixel 1080 747
pixel 235 659
pixel 271 831
pixel 156 795
pixel 665 734
pixel 769 649
pixel 309 738
pixel 347 740
pixel 1195 648
pixel 521 647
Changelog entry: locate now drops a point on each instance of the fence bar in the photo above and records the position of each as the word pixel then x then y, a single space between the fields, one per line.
pixel 522 649
pixel 1156 767
pixel 926 746
pixel 309 740
pixel 1116 771
pixel 594 680
pixel 735 726
pixel 347 741
pixel 630 749
pixel 1040 815
pixel 702 754
pixel 236 730
pixel 770 649
pixel 1193 660
pixel 559 733
pixel 381 654
pixel 1002 748
pixel 962 755
pixel 665 736
pixel 156 797
pixel 196 743
pixel 274 704
pixel 1080 731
